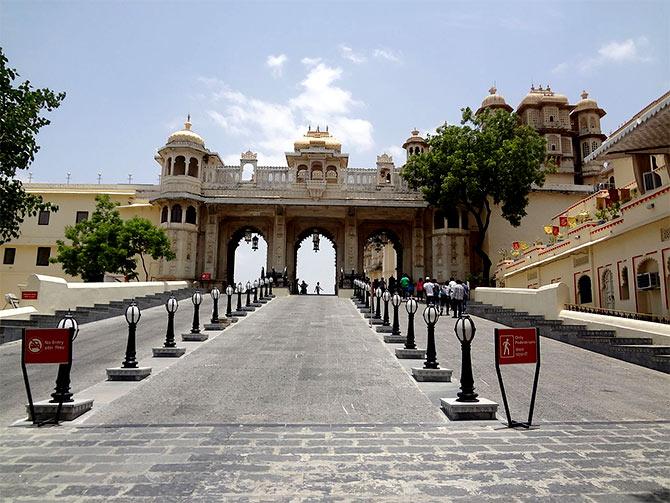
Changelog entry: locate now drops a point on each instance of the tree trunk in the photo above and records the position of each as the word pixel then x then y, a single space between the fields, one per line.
pixel 144 266
pixel 482 227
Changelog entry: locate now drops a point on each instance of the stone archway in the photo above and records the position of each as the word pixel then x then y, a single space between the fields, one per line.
pixel 397 235
pixel 232 245
pixel 306 233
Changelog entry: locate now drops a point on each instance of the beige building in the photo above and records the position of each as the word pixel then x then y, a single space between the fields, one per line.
pixel 207 206
pixel 612 248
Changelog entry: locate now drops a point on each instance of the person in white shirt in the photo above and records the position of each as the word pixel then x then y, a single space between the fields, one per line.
pixel 429 288
pixel 457 294
pixel 445 298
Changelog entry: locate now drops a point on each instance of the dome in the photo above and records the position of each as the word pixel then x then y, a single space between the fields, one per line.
pixel 588 104
pixel 415 138
pixel 540 96
pixel 186 135
pixel 317 139
pixel 494 100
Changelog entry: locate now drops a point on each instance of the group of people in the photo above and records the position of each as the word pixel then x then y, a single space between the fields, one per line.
pixel 449 296
pixel 302 287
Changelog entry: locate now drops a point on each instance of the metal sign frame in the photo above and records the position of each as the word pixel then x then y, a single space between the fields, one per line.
pixel 26 331
pixel 510 422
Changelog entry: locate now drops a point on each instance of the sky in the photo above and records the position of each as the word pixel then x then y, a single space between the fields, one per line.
pixel 254 75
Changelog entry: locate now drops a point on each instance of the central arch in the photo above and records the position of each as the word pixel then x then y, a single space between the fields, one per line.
pixel 302 238
pixel 391 237
pixel 233 244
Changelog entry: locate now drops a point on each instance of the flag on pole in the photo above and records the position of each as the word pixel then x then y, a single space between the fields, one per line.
pixel 548 230
pixel 555 230
pixel 515 245
pixel 563 221
pixel 572 221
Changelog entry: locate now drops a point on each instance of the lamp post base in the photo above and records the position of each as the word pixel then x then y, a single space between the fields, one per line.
pixel 394 339
pixel 410 354
pixel 385 329
pixel 239 314
pixel 217 326
pixel 123 374
pixel 168 352
pixel 249 309
pixel 483 409
pixel 377 321
pixel 431 375
pixel 70 411
pixel 194 337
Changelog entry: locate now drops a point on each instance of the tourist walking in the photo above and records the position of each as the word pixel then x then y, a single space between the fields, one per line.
pixel 404 285
pixel 445 298
pixel 303 288
pixel 457 294
pixel 318 288
pixel 419 289
pixel 429 289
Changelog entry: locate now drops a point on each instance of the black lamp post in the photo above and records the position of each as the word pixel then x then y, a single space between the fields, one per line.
pixel 196 298
pixel 239 297
pixel 386 296
pixel 378 295
pixel 395 300
pixel 255 291
pixel 62 391
pixel 133 315
pixel 171 306
pixel 367 295
pixel 430 316
pixel 465 331
pixel 411 306
pixel 248 293
pixel 229 307
pixel 215 293
pixel 265 288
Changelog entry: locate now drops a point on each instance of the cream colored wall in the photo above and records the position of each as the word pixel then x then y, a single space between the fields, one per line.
pixel 542 206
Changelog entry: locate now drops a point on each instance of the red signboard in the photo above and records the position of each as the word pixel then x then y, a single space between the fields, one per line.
pixel 46 345
pixel 28 295
pixel 206 276
pixel 517 345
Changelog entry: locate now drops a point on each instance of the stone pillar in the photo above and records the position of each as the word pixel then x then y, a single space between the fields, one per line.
pixel 418 269
pixel 350 242
pixel 211 244
pixel 277 258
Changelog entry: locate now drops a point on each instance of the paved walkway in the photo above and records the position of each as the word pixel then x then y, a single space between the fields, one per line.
pixel 302 401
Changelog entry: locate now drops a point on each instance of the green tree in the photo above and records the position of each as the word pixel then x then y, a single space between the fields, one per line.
pixel 20 121
pixel 489 159
pixel 105 243
pixel 141 237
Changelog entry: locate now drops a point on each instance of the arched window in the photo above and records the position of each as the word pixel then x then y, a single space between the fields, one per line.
pixel 164 214
pixel 551 118
pixel 180 165
pixel 193 167
pixel 553 146
pixel 584 290
pixel 612 183
pixel 585 149
pixel 190 215
pixel 592 123
pixel 168 166
pixel 594 146
pixel 624 291
pixel 175 214
pixel 438 220
pixel 452 218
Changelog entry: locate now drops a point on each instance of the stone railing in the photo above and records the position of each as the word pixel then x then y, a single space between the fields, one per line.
pixel 547 301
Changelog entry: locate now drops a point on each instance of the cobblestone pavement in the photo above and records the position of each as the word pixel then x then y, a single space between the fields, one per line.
pixel 301 401
pixel 593 462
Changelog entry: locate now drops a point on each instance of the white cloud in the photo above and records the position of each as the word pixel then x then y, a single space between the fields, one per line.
pixel 398 153
pixel 348 53
pixel 387 54
pixel 271 128
pixel 560 68
pixel 310 61
pixel 618 52
pixel 276 64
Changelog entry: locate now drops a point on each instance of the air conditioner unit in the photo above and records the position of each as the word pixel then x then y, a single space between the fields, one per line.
pixel 648 281
pixel 651 180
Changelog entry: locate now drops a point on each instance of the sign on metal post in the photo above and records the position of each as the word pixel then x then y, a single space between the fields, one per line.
pixel 44 346
pixel 517 346
pixel 29 295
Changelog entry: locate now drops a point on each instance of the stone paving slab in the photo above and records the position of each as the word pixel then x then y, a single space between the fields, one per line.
pixel 590 462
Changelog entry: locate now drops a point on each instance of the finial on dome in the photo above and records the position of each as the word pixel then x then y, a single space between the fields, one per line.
pixel 548 88
pixel 317 128
pixel 187 124
pixel 584 95
pixel 415 132
pixel 326 128
pixel 493 89
pixel 309 128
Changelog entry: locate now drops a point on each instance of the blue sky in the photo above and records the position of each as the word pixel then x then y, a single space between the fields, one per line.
pixel 254 75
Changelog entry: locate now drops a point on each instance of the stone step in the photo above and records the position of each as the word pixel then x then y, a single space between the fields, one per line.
pixel 652 349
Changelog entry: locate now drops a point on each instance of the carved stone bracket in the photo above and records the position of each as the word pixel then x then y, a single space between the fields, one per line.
pixel 316 188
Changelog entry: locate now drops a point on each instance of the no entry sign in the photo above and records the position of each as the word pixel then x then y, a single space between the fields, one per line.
pixel 517 345
pixel 46 345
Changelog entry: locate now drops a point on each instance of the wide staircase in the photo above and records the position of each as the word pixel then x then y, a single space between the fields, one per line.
pixel 11 330
pixel 637 350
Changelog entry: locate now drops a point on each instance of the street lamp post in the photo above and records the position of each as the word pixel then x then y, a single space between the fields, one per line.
pixel 378 295
pixel 395 300
pixel 465 331
pixel 386 296
pixel 430 316
pixel 196 298
pixel 248 294
pixel 62 393
pixel 171 306
pixel 255 291
pixel 239 298
pixel 133 315
pixel 411 306
pixel 215 293
pixel 229 308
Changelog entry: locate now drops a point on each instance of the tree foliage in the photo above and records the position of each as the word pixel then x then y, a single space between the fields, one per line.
pixel 20 121
pixel 490 158
pixel 106 244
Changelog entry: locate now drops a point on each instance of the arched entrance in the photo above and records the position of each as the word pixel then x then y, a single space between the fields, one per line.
pixel 382 254
pixel 315 257
pixel 247 254
pixel 585 295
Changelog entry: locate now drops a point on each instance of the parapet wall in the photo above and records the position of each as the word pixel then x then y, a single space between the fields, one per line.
pixel 547 301
pixel 56 293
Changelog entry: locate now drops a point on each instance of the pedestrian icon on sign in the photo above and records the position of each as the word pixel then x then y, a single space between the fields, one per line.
pixel 507 346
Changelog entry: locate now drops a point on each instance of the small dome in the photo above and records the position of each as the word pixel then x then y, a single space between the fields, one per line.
pixel 494 100
pixel 415 138
pixel 186 135
pixel 317 139
pixel 587 103
pixel 542 96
